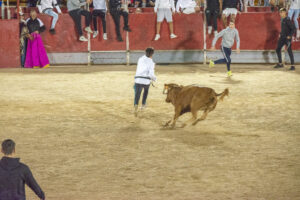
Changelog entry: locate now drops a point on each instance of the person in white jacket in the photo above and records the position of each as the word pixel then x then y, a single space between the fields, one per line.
pixel 143 77
pixel 293 14
pixel 163 9
pixel 47 8
pixel 187 6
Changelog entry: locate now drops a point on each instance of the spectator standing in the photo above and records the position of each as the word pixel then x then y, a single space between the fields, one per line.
pixel 117 10
pixel 143 77
pixel 164 10
pixel 230 9
pixel 36 56
pixel 287 31
pixel 14 175
pixel 75 11
pixel 100 9
pixel 24 32
pixel 293 13
pixel 47 8
pixel 187 6
pixel 212 12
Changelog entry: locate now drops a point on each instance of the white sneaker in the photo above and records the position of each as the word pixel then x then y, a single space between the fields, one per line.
pixel 88 29
pixel 83 39
pixel 215 33
pixel 209 29
pixel 143 107
pixel 172 36
pixel 95 34
pixel 104 36
pixel 157 36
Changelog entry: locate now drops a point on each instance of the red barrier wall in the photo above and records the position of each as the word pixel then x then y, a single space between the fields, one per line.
pixel 9 43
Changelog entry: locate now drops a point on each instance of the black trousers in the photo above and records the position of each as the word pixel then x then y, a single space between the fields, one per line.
pixel 101 14
pixel 116 14
pixel 211 18
pixel 281 42
pixel 76 16
pixel 138 90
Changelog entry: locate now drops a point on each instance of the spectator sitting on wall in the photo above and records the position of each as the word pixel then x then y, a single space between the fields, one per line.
pixel 144 3
pixel 277 3
pixel 187 6
pixel 118 8
pixel 266 3
pixel 75 11
pixel 164 10
pixel 14 175
pixel 47 8
pixel 249 2
pixel 36 56
pixel 212 12
pixel 293 13
pixel 230 9
pixel 100 9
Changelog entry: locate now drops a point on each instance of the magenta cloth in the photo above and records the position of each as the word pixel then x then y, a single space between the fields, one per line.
pixel 36 55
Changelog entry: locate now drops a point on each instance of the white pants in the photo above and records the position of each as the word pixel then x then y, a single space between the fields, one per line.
pixel 230 11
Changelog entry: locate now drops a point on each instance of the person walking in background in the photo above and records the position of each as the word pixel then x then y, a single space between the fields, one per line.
pixel 47 8
pixel 117 10
pixel 164 9
pixel 230 8
pixel 287 31
pixel 75 11
pixel 228 35
pixel 14 175
pixel 143 77
pixel 36 56
pixel 212 11
pixel 293 13
pixel 99 11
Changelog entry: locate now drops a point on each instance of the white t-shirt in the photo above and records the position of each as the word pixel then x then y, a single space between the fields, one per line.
pixel 145 68
pixel 295 4
pixel 185 4
pixel 99 4
pixel 164 4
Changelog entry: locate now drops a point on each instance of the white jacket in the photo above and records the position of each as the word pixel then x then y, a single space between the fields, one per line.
pixel 48 4
pixel 295 4
pixel 185 4
pixel 164 4
pixel 145 68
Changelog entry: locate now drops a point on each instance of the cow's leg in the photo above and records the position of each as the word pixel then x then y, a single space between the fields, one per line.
pixel 203 117
pixel 168 122
pixel 194 117
pixel 177 114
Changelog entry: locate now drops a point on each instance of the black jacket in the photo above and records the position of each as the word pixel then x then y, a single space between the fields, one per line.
pixel 213 4
pixel 13 176
pixel 114 5
pixel 232 4
pixel 35 25
pixel 287 27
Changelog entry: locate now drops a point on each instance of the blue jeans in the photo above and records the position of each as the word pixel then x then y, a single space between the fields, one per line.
pixel 296 13
pixel 52 14
pixel 226 53
pixel 137 93
pixel 266 3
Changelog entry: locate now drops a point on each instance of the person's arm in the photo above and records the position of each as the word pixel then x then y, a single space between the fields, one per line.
pixel 237 38
pixel 151 72
pixel 220 34
pixel 241 5
pixel 172 6
pixel 42 26
pixel 31 182
pixel 178 6
pixel 221 5
pixel 156 5
pixel 292 27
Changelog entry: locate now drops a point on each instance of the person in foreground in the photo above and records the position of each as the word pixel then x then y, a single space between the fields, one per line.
pixel 14 175
pixel 228 35
pixel 36 56
pixel 143 77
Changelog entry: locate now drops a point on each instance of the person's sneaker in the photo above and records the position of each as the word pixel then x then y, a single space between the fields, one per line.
pixel 157 36
pixel 126 28
pixel 95 34
pixel 209 29
pixel 292 68
pixel 104 36
pixel 211 63
pixel 83 39
pixel 88 29
pixel 172 36
pixel 52 31
pixel 278 65
pixel 119 38
pixel 143 107
pixel 229 73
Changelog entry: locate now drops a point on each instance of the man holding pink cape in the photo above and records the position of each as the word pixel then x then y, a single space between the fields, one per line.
pixel 36 56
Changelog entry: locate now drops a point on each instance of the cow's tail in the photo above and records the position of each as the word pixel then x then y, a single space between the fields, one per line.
pixel 223 94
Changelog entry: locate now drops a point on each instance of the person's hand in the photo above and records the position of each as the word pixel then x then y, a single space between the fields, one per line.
pixel 36 32
pixel 213 48
pixel 288 37
pixel 238 51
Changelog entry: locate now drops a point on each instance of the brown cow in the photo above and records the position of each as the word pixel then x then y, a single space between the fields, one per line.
pixel 191 98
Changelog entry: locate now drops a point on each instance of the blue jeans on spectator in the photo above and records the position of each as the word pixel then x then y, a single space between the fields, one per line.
pixel 52 14
pixel 296 13
pixel 266 3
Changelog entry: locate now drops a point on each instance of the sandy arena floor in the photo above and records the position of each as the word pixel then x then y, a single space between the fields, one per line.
pixel 75 128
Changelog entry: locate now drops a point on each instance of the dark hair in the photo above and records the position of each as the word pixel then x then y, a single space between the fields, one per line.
pixel 149 52
pixel 282 10
pixel 8 146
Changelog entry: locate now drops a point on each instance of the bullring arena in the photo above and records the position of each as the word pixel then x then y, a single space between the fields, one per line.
pixel 74 123
pixel 76 128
